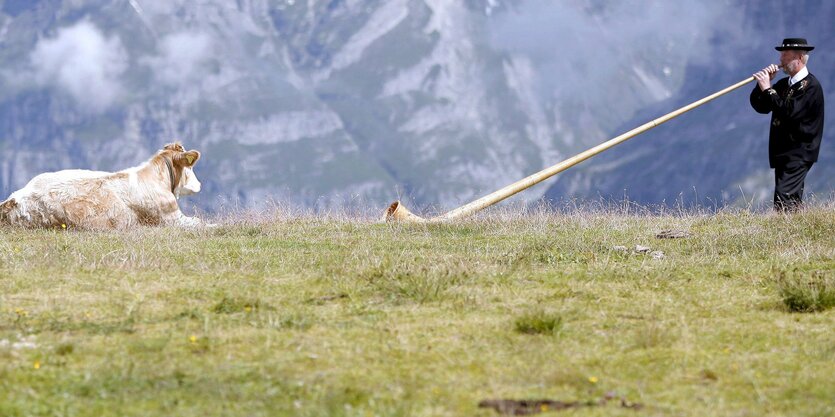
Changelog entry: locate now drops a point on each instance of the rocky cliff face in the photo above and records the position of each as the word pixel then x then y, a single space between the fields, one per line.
pixel 333 103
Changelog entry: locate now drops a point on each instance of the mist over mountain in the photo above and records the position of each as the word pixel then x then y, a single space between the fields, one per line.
pixel 356 103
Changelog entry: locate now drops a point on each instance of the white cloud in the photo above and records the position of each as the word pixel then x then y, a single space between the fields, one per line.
pixel 82 62
pixel 182 57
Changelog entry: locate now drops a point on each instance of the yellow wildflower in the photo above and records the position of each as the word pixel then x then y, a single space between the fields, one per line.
pixel 543 408
pixel 63 226
pixel 192 339
pixel 593 379
pixel 37 365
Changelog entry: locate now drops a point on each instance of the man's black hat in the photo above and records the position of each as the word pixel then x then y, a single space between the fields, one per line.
pixel 794 43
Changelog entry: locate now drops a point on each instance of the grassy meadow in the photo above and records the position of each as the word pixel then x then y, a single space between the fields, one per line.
pixel 295 315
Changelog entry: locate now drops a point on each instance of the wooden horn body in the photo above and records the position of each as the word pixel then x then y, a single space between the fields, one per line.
pixel 397 212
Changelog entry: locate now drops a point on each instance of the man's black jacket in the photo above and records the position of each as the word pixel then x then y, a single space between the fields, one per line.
pixel 796 119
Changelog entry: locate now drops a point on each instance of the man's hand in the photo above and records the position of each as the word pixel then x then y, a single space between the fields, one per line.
pixel 765 76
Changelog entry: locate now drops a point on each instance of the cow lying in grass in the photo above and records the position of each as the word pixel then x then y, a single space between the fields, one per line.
pixel 143 195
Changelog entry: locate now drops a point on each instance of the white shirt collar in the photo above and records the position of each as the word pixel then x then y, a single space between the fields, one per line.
pixel 799 76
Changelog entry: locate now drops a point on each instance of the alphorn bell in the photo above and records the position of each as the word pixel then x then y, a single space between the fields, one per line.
pixel 397 212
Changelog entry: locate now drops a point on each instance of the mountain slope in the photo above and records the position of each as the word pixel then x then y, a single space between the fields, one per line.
pixel 348 103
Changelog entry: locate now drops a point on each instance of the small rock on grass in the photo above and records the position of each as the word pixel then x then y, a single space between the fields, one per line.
pixel 641 249
pixel 672 234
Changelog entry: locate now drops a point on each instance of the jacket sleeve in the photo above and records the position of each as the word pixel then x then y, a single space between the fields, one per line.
pixel 760 100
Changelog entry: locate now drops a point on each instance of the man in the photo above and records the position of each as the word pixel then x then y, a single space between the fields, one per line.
pixel 796 107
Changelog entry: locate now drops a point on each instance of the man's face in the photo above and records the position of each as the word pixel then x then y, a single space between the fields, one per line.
pixel 791 61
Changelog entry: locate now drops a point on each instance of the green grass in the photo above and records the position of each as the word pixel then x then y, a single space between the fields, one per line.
pixel 539 322
pixel 808 292
pixel 305 316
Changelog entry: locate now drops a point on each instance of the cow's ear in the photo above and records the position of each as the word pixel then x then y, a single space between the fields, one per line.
pixel 187 158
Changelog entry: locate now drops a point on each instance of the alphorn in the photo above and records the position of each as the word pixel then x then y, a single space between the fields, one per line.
pixel 397 212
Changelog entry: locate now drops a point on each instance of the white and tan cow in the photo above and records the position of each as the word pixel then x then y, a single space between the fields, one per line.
pixel 143 195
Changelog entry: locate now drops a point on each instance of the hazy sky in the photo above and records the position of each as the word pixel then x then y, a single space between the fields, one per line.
pixel 573 43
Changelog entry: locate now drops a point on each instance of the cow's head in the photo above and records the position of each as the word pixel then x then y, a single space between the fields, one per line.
pixel 183 161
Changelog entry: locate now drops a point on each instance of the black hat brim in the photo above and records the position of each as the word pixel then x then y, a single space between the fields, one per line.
pixel 796 48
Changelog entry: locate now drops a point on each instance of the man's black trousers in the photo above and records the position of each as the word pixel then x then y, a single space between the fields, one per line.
pixel 788 185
